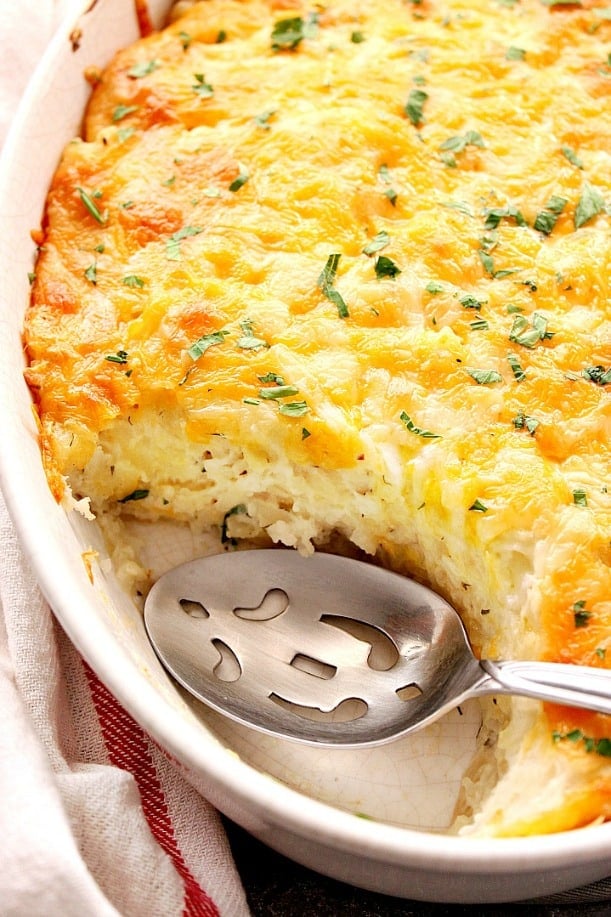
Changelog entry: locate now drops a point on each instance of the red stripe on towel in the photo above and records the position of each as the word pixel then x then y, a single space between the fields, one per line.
pixel 128 748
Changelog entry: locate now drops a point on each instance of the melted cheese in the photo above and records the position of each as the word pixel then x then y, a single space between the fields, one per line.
pixel 359 285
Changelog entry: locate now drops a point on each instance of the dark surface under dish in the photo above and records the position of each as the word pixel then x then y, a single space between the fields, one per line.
pixel 277 887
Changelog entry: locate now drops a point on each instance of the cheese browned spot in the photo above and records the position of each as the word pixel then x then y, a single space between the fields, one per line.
pixel 347 269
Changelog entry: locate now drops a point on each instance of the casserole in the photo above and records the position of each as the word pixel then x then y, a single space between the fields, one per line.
pixel 105 626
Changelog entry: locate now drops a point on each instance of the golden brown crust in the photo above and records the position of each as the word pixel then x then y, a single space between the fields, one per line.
pixel 404 217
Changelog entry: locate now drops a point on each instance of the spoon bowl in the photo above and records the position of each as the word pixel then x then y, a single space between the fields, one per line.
pixel 332 651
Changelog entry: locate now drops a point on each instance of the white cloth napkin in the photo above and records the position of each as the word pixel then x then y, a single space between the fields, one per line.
pixel 94 819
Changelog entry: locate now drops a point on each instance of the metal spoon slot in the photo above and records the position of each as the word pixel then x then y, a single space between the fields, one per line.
pixel 333 651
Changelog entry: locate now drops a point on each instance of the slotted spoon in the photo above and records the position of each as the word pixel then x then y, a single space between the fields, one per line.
pixel 332 651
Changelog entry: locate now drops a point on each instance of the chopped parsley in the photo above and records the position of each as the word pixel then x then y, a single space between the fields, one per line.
pixel 485 376
pixel 119 357
pixel 240 180
pixel 590 204
pixel 133 281
pixel 287 34
pixel 434 287
pixel 572 156
pixel 546 220
pixel 478 507
pixel 173 243
pixel 414 106
pixel 91 206
pixel 125 133
pixel 418 431
pixel 494 215
pixel 468 301
pixel 386 267
pixel 91 274
pixel 516 368
pixel 357 37
pixel 204 343
pixel 326 282
pixel 201 88
pixel 249 341
pixel 238 510
pixel 278 391
pixel 135 495
pixel 581 617
pixel 271 377
pixel 144 68
pixel 122 111
pixel 294 409
pixel 384 175
pixel 264 118
pixel 597 374
pixel 529 336
pixel 598 746
pixel 459 142
pixel 524 421
pixel 479 324
pixel 379 241
pixel 580 497
pixel 514 53
pixel 185 40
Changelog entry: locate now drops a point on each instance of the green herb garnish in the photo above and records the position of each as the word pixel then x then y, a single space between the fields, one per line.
pixel 287 34
pixel 494 215
pixel 414 105
pixel 144 68
pixel 238 510
pixel 418 431
pixel 590 204
pixel 468 301
pixel 294 409
pixel 275 392
pixel 135 495
pixel 572 156
pixel 249 341
pixel 478 507
pixel 241 179
pixel 173 243
pixel 326 282
pixel 580 615
pixel 264 118
pixel 91 207
pixel 204 343
pixel 598 746
pixel 133 281
pixel 379 241
pixel 122 111
pixel 386 267
pixel 525 335
pixel 597 374
pixel 580 497
pixel 485 376
pixel 524 421
pixel 546 220
pixel 119 357
pixel 516 368
pixel 459 142
pixel 201 88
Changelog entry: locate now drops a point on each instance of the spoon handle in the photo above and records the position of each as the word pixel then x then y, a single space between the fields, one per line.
pixel 573 685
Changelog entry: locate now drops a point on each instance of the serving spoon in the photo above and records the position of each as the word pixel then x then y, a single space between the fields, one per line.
pixel 332 651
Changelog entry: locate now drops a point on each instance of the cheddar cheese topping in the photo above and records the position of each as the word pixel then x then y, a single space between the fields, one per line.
pixel 343 270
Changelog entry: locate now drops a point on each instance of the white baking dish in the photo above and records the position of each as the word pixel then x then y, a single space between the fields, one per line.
pixel 301 801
